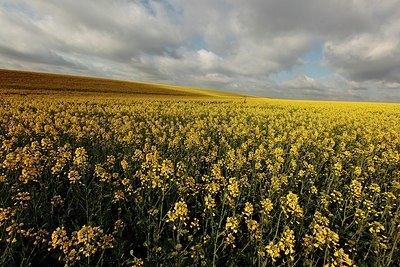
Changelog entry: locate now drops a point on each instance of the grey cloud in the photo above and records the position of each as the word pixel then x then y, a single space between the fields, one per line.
pixel 41 57
pixel 228 45
pixel 334 19
pixel 118 30
pixel 366 57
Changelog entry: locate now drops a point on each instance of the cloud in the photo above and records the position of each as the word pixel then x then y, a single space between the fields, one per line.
pixel 117 30
pixel 227 45
pixel 367 56
pixel 325 18
pixel 304 82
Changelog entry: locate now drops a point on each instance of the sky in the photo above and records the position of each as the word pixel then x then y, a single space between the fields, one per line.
pixel 303 49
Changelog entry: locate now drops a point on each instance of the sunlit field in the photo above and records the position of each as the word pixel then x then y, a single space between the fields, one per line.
pixel 196 179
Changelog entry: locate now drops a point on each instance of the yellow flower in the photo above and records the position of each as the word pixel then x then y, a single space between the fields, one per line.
pixel 74 177
pixel 3 179
pixel 212 188
pixel 252 225
pixel 357 171
pixel 137 262
pixel 267 206
pixel 179 213
pixel 59 238
pixel 248 210
pixel 356 189
pixel 6 214
pixel 374 188
pixel 288 240
pixel 124 164
pixel 233 187
pixel 230 239
pixel 313 190
pixel 321 236
pixel 81 157
pixel 290 205
pixel 195 224
pixel 209 202
pixel 376 227
pixel 119 195
pixel 337 168
pixel 232 224
pixel 341 259
pixel 273 250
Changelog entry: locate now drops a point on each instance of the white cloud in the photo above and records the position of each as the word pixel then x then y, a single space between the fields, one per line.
pixel 303 82
pixel 207 59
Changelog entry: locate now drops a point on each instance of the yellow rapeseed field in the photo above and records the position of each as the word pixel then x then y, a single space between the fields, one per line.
pixel 157 181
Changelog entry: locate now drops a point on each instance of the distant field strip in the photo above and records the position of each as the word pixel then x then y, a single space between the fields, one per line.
pixel 21 82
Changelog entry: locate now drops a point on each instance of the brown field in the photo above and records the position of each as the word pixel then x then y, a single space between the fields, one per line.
pixel 33 83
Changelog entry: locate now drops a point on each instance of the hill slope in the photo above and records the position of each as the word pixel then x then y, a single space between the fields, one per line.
pixel 24 82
